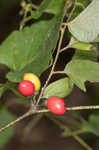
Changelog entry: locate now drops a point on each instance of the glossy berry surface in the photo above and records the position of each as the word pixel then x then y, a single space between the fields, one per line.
pixel 34 79
pixel 26 88
pixel 56 105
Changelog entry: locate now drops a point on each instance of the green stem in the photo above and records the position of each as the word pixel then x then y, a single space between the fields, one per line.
pixel 31 125
pixel 24 21
pixel 74 133
pixel 34 6
pixel 80 4
pixel 25 18
pixel 76 137
pixel 82 142
pixel 72 11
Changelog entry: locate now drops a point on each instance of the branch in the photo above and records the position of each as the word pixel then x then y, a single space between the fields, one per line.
pixel 33 111
pixel 53 66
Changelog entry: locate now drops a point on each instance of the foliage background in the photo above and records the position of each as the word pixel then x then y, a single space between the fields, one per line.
pixel 45 129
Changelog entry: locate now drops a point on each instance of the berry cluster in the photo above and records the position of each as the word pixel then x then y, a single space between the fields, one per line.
pixel 31 84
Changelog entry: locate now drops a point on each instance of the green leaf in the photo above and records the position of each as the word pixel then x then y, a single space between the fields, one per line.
pixel 85 27
pixel 60 88
pixel 54 5
pixel 5 118
pixel 92 125
pixel 36 14
pixel 83 67
pixel 46 6
pixel 80 45
pixel 30 50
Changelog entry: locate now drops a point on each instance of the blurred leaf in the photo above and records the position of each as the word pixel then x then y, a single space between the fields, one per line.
pixel 96 40
pixel 80 6
pixel 2 89
pixel 52 8
pixel 30 50
pixel 83 67
pixel 85 27
pixel 85 3
pixel 60 88
pixel 76 12
pixel 36 14
pixel 5 118
pixel 48 7
pixel 92 125
pixel 80 45
pixel 84 55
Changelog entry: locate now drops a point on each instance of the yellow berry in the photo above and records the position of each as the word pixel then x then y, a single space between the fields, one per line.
pixel 34 79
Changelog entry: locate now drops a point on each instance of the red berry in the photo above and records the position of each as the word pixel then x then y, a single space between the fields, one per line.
pixel 56 105
pixel 26 88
